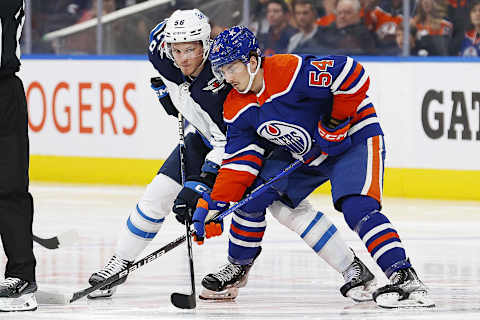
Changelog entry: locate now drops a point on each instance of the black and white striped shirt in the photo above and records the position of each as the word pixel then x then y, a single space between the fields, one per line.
pixel 12 17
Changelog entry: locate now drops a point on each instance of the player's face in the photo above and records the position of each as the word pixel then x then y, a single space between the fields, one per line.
pixel 475 16
pixel 188 56
pixel 236 74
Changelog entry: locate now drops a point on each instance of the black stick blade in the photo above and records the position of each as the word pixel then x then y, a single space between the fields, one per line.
pixel 51 243
pixel 183 301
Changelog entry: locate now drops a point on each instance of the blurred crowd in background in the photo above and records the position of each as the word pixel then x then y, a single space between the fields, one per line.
pixel 352 27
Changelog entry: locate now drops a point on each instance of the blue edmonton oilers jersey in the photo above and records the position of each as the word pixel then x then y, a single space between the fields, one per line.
pixel 297 92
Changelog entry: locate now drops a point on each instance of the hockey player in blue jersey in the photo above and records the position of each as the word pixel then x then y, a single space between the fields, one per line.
pixel 318 109
pixel 178 50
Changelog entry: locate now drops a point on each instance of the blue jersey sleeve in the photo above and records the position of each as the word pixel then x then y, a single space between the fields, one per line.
pixel 339 78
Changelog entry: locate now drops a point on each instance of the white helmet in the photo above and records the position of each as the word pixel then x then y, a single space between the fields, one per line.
pixel 187 26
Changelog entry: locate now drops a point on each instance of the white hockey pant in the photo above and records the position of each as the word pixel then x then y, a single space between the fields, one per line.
pixel 146 219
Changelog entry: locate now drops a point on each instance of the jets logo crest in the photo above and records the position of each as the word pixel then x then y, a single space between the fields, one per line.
pixel 214 85
pixel 294 137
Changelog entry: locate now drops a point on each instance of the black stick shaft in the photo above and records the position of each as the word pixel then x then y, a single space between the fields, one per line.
pixel 181 134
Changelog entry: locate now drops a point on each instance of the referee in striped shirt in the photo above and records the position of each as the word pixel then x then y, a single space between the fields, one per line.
pixel 16 203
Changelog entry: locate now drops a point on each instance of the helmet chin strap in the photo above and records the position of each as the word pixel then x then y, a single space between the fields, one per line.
pixel 251 75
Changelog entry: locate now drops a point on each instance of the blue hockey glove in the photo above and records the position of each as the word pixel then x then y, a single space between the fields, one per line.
pixel 187 198
pixel 206 204
pixel 332 135
pixel 156 38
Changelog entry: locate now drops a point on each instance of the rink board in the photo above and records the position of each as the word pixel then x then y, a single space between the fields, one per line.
pixel 98 121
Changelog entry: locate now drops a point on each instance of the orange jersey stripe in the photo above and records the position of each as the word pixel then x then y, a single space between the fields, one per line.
pixel 244 233
pixel 345 105
pixel 374 190
pixel 359 116
pixel 381 239
pixel 247 157
pixel 352 77
pixel 230 185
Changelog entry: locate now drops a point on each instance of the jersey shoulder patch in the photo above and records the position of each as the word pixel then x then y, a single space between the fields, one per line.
pixel 236 103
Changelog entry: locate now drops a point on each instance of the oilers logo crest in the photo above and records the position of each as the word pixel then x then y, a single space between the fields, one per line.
pixel 294 137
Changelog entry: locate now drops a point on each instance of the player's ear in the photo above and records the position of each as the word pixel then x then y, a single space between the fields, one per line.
pixel 253 62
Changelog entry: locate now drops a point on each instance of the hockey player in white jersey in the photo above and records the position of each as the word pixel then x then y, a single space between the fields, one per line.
pixel 178 50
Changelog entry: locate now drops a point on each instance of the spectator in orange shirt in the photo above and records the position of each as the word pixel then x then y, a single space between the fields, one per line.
pixel 433 31
pixel 329 17
pixel 383 20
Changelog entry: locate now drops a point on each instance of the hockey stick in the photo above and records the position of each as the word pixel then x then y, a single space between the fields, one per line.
pixel 181 300
pixel 140 263
pixel 160 252
pixel 65 239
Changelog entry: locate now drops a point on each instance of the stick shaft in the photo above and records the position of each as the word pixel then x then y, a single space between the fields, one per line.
pixel 140 263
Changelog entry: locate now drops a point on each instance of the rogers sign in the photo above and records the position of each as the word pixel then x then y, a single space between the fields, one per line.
pixel 78 103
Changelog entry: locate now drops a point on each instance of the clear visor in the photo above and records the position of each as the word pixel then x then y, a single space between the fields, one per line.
pixel 228 70
pixel 182 52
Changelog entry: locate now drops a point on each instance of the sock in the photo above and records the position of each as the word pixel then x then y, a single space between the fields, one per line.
pixel 317 231
pixel 377 233
pixel 245 239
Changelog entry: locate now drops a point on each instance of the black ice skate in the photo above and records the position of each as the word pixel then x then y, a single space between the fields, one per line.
pixel 405 291
pixel 359 282
pixel 17 295
pixel 114 266
pixel 224 284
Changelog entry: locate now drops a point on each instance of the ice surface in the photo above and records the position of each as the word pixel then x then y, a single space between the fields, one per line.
pixel 288 281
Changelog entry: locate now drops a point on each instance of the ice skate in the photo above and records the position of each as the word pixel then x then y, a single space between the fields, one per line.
pixel 405 291
pixel 114 266
pixel 225 284
pixel 17 295
pixel 359 282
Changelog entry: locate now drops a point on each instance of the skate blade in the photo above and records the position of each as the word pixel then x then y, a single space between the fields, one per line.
pixel 362 293
pixel 225 295
pixel 107 293
pixel 415 300
pixel 26 302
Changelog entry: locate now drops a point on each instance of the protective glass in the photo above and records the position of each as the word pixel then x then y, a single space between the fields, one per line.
pixel 188 52
pixel 227 70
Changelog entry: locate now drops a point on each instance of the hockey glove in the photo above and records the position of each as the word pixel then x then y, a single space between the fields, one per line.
pixel 156 38
pixel 157 84
pixel 204 207
pixel 187 198
pixel 332 135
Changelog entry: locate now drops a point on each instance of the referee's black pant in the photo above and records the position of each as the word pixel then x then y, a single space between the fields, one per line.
pixel 16 203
